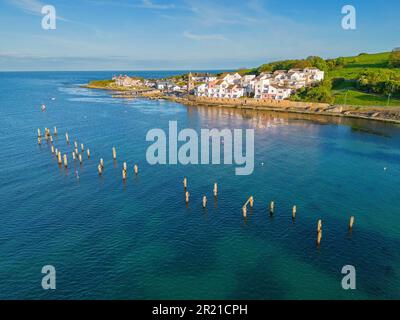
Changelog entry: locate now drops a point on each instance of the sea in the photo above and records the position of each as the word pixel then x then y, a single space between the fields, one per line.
pixel 138 239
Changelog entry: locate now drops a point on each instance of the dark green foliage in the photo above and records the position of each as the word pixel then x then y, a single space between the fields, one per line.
pixel 319 93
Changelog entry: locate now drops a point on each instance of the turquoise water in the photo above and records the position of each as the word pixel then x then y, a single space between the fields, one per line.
pixel 138 240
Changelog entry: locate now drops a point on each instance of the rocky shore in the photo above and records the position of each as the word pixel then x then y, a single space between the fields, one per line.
pixel 387 114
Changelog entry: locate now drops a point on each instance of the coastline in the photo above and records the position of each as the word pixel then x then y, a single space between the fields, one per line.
pixel 383 114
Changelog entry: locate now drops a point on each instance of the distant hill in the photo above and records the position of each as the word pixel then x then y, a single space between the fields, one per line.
pixel 365 80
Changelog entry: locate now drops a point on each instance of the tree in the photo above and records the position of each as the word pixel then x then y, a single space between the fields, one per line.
pixel 394 59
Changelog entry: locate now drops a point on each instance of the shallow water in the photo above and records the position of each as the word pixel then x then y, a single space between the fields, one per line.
pixel 139 240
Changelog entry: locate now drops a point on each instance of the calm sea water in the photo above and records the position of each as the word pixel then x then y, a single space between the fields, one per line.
pixel 138 240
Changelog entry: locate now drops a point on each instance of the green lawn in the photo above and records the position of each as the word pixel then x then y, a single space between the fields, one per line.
pixel 358 98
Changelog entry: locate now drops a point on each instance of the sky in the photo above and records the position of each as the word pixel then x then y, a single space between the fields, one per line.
pixel 188 34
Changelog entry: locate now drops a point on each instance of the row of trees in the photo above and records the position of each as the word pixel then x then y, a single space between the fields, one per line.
pixel 381 82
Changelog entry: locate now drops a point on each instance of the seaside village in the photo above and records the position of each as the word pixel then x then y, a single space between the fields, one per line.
pixel 278 85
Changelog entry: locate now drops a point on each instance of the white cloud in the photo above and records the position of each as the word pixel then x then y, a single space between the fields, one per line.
pixel 30 6
pixel 33 7
pixel 202 37
pixel 147 4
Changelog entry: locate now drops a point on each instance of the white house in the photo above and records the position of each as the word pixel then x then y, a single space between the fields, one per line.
pixel 232 78
pixel 274 93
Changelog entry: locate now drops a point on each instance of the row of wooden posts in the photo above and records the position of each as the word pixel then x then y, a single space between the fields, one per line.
pixel 77 155
pixel 250 202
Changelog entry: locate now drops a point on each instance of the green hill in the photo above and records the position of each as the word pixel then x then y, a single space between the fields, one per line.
pixel 363 80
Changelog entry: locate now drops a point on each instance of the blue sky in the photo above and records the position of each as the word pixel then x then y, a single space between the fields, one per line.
pixel 188 34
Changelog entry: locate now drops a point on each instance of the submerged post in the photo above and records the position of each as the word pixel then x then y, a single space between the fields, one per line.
pixel 114 152
pixel 319 226
pixel 125 166
pixel 351 223
pixel 271 208
pixel 39 134
pixel 251 202
pixel 73 155
pixel 185 182
pixel 100 169
pixel 82 147
pixel 244 211
pixel 102 162
pixel 136 169
pixel 187 194
pixel 59 157
pixel 55 131
pixel 88 153
pixel 67 137
pixel 123 174
pixel 319 237
pixel 52 149
pixel 80 158
pixel 39 140
pixel 215 189
pixel 65 161
pixel 204 201
pixel 294 210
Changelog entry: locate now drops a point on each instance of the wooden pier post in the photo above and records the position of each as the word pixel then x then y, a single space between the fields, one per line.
pixel 88 153
pixel 65 161
pixel 319 237
pixel 271 208
pixel 114 152
pixel 187 195
pixel 82 147
pixel 136 169
pixel 80 158
pixel 59 157
pixel 125 166
pixel 51 139
pixel 73 155
pixel 39 140
pixel 52 149
pixel 185 183
pixel 351 223
pixel 215 189
pixel 75 145
pixel 294 211
pixel 76 151
pixel 319 226
pixel 102 162
pixel 204 201
pixel 250 201
pixel 39 133
pixel 67 137
pixel 123 174
pixel 56 151
pixel 100 169
pixel 55 131
pixel 244 211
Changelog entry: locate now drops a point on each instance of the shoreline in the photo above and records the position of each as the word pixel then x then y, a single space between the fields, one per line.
pixel 355 112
